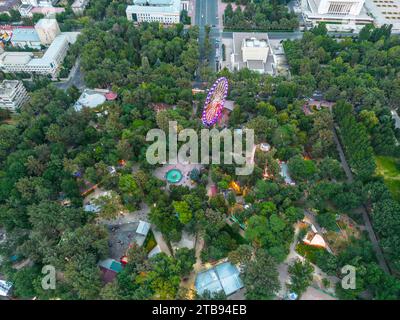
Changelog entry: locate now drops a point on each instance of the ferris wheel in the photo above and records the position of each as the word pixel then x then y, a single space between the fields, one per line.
pixel 215 101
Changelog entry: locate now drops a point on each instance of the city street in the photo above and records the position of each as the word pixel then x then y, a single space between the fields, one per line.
pixel 207 14
pixel 75 78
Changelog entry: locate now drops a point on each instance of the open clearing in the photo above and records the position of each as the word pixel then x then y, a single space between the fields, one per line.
pixel 389 169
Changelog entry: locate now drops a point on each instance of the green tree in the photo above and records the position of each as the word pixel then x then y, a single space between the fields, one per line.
pixel 260 277
pixel 300 276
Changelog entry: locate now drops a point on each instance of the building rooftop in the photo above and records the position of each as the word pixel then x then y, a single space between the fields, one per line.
pixel 143 228
pixel 153 2
pixel 46 10
pixel 245 41
pixel 54 48
pixel 45 23
pixel 5 288
pixel 8 58
pixel 79 4
pixel 223 277
pixel 109 269
pixel 7 86
pixel 255 43
pixel 255 64
pixel 385 12
pixel 155 6
pixel 6 5
pixel 156 250
pixel 89 99
pixel 25 34
pixel 310 9
pixel 28 57
pixel 111 264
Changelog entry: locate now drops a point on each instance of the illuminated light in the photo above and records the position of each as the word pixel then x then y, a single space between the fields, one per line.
pixel 215 101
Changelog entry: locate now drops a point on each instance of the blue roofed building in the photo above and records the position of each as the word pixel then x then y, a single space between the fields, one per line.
pixel 25 37
pixel 223 277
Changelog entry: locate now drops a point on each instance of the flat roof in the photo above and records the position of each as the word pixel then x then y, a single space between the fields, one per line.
pixel 9 58
pixel 257 38
pixel 255 43
pixel 6 5
pixel 156 6
pixel 8 86
pixel 153 2
pixel 25 34
pixel 90 99
pixel 385 12
pixel 46 22
pixel 5 287
pixel 54 48
pixel 310 9
pixel 255 64
pixel 111 264
pixel 143 228
pixel 223 277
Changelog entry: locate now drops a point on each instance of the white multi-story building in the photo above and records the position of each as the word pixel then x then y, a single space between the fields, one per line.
pixel 163 11
pixel 47 30
pixel 14 62
pixel 25 10
pixel 40 3
pixel 33 3
pixel 25 37
pixel 350 13
pixel 385 12
pixel 79 6
pixel 340 7
pixel 185 5
pixel 252 51
pixel 12 94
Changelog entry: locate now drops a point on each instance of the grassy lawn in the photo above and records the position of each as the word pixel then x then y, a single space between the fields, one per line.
pixel 150 242
pixel 389 169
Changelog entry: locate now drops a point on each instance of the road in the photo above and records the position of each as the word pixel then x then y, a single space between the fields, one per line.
pixel 291 35
pixel 206 14
pixel 75 78
pixel 367 222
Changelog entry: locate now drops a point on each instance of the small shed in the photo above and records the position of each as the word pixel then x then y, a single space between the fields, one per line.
pixel 5 288
pixel 109 269
pixel 143 228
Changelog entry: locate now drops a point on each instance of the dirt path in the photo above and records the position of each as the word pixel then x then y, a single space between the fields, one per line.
pixel 160 240
pixel 293 256
pixel 189 283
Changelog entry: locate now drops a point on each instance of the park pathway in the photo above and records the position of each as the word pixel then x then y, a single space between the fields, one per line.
pixel 367 221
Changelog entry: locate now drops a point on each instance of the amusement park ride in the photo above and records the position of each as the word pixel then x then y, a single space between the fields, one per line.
pixel 215 101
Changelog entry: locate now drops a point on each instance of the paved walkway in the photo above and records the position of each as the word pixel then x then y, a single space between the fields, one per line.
pixel 160 240
pixel 375 244
pixel 185 169
pixel 284 276
pixel 283 267
pixel 189 282
pixel 141 214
